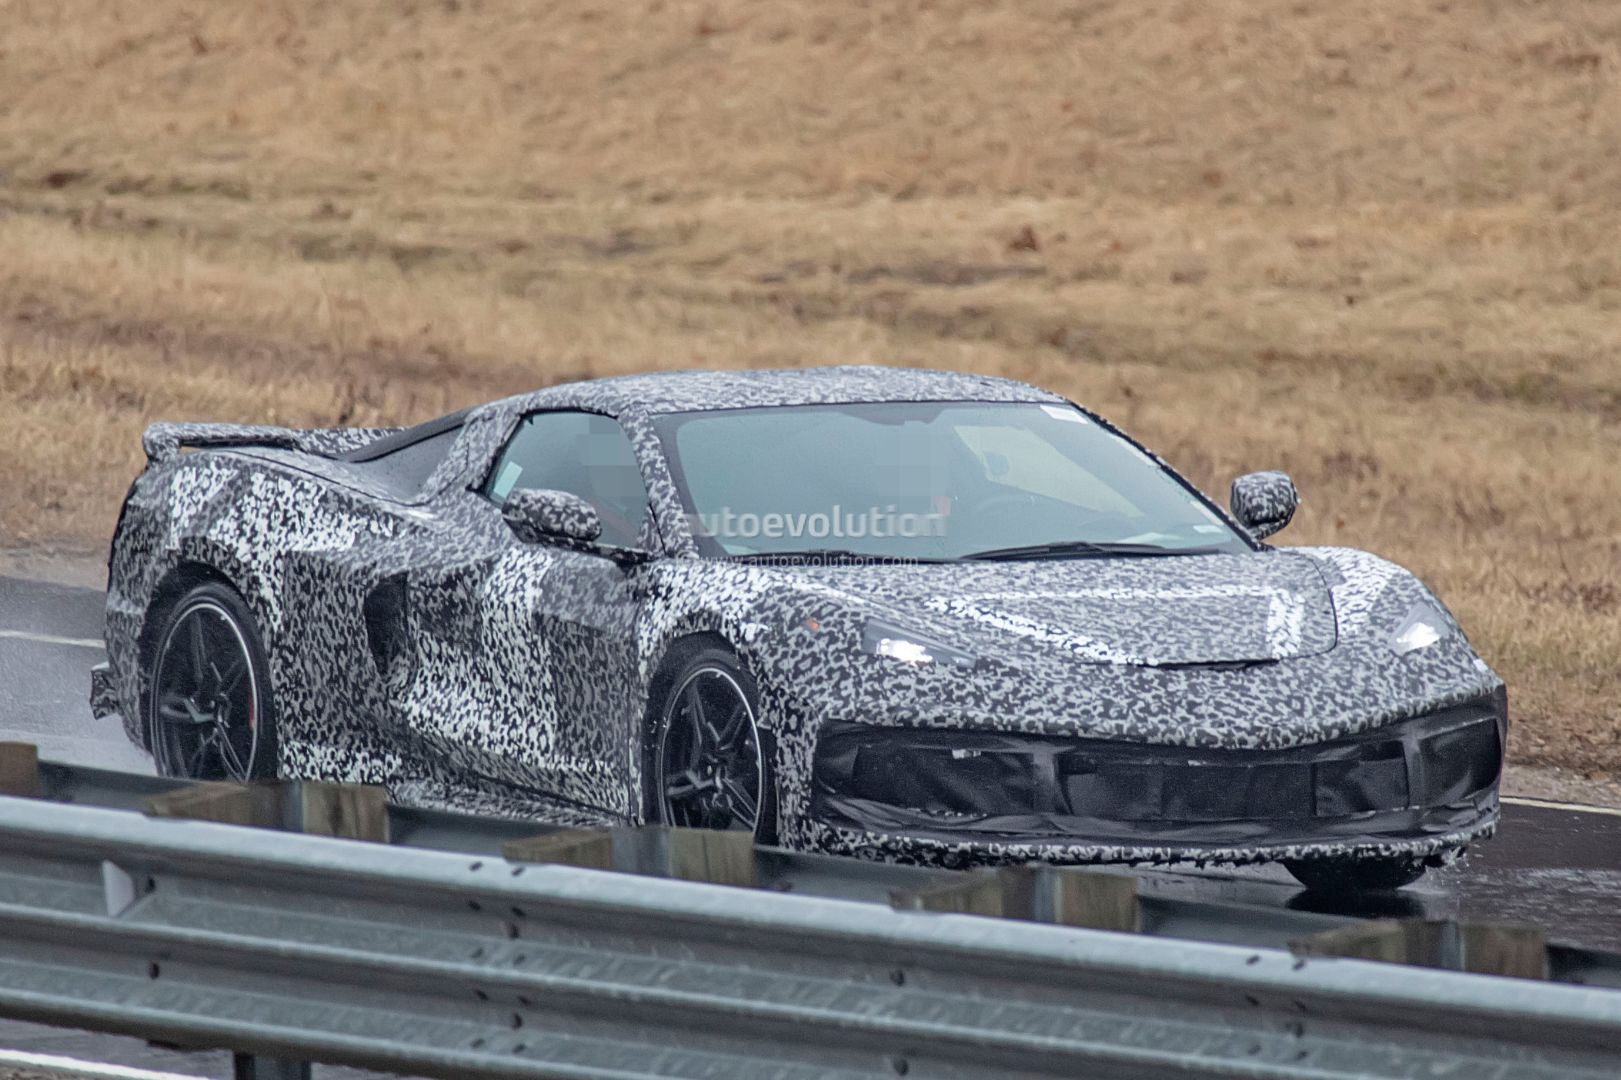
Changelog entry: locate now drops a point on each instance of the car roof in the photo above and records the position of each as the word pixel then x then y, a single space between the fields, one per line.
pixel 686 391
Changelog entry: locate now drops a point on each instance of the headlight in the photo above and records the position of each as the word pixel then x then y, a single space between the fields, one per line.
pixel 882 638
pixel 1422 627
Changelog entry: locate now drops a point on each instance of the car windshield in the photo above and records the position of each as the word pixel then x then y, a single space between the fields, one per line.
pixel 929 480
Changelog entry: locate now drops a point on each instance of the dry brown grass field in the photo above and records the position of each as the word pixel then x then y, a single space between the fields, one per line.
pixel 1375 244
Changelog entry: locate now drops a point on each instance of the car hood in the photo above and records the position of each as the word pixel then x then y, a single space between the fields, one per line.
pixel 1154 611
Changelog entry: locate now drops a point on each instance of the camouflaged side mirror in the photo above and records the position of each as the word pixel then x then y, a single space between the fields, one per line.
pixel 1264 502
pixel 539 516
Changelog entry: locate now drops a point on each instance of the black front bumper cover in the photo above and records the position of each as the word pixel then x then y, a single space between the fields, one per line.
pixel 1431 775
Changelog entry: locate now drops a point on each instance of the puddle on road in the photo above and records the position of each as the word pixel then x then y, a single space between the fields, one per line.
pixel 1556 870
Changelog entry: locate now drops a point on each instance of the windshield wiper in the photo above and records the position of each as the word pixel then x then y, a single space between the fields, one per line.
pixel 1074 549
pixel 839 555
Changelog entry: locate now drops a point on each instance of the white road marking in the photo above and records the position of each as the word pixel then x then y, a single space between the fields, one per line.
pixel 1549 804
pixel 52 639
pixel 85 1068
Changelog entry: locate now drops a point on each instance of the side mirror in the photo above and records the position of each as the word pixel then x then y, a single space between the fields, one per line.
pixel 537 515
pixel 1264 502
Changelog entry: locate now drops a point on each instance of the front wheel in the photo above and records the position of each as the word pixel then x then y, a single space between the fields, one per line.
pixel 1350 875
pixel 209 712
pixel 711 768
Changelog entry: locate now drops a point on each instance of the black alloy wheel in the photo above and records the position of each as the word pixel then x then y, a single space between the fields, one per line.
pixel 711 768
pixel 209 696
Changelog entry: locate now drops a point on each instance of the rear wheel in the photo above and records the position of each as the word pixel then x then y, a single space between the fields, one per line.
pixel 1340 875
pixel 208 691
pixel 710 765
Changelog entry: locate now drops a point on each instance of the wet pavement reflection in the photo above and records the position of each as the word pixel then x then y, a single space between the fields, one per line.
pixel 1559 870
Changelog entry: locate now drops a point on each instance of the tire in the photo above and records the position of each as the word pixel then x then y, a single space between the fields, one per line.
pixel 1347 875
pixel 209 711
pixel 734 749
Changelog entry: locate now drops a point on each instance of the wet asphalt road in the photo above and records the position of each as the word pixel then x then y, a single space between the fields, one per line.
pixel 1553 868
pixel 44 676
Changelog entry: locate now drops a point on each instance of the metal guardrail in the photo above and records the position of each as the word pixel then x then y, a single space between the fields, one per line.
pixel 1160 913
pixel 467 965
pixel 776 869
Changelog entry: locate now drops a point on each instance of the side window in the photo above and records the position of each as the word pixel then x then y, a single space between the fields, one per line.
pixel 582 453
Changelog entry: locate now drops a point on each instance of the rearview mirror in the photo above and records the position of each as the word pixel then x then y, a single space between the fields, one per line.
pixel 1264 502
pixel 539 515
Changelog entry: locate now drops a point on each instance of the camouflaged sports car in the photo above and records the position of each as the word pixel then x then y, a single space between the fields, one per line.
pixel 892 613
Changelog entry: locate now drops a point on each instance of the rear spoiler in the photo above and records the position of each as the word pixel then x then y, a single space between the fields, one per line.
pixel 163 442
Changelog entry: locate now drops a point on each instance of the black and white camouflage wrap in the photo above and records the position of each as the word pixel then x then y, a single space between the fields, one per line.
pixel 535 516
pixel 1264 502
pixel 524 677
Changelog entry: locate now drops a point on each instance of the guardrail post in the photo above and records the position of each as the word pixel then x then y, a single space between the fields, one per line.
pixel 720 858
pixel 1097 900
pixel 708 855
pixel 228 804
pixel 19 770
pixel 353 811
pixel 1094 899
pixel 1479 948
